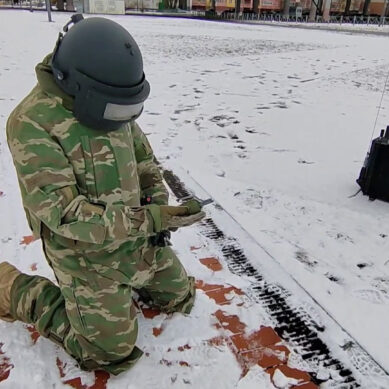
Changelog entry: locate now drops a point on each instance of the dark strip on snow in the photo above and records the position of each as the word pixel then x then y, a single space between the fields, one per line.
pixel 293 325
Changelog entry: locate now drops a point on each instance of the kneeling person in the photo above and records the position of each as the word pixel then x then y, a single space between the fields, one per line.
pixel 84 168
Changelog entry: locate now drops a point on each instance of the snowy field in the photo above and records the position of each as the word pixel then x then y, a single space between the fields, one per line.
pixel 274 123
pixel 344 27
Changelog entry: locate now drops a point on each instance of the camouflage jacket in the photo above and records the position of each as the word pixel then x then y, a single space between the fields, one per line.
pixel 84 185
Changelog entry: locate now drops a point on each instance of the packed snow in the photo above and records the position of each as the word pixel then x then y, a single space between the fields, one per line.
pixel 274 123
pixel 363 28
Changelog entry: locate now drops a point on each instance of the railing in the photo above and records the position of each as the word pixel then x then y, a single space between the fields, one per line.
pixel 354 20
pixel 374 20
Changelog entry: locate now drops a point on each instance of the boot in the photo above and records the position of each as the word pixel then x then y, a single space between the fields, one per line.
pixel 8 274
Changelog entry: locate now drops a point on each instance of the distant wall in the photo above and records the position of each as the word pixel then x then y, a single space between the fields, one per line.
pixel 338 6
pixel 376 8
pixel 114 7
pixel 270 4
pixel 142 4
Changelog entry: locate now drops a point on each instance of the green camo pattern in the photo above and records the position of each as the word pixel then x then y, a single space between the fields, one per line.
pixel 52 150
pixel 97 238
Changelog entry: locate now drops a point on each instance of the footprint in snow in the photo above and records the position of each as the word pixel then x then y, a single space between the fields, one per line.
pixel 280 104
pixel 238 144
pixel 340 236
pixel 363 265
pixel 382 284
pixel 303 257
pixel 371 295
pixel 224 120
pixel 304 162
pixel 153 113
pixel 334 278
pixel 252 131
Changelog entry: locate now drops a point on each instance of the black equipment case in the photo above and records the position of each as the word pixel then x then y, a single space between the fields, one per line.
pixel 374 176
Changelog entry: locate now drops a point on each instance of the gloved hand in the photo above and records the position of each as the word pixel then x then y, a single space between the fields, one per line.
pixel 168 217
pixel 193 206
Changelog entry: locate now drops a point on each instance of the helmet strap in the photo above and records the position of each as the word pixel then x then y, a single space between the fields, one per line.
pixel 74 19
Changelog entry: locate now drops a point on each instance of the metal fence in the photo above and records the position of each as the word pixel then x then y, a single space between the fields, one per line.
pixel 360 20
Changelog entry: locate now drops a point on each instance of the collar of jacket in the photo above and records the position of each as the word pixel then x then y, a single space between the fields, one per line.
pixel 46 81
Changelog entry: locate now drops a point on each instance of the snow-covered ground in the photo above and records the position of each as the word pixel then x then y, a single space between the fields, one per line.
pixel 275 124
pixel 345 27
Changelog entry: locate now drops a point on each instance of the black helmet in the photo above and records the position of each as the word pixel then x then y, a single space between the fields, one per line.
pixel 99 63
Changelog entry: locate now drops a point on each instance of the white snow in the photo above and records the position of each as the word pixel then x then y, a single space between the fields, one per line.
pixel 256 378
pixel 333 26
pixel 283 382
pixel 275 124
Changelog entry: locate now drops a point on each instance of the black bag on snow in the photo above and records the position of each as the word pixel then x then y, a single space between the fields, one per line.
pixel 374 176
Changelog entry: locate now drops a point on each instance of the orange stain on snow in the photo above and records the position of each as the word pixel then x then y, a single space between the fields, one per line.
pixel 150 313
pixel 166 362
pixel 184 347
pixel 157 331
pixel 218 293
pixel 194 248
pixel 229 322
pixel 5 365
pixel 101 378
pixel 255 348
pixel 260 347
pixel 212 263
pixel 263 337
pixel 217 341
pixel 34 334
pixel 28 239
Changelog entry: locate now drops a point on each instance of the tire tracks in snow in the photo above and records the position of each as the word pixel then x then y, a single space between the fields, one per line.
pixel 347 362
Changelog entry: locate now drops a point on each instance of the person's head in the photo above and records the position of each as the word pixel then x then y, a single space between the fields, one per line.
pixel 98 62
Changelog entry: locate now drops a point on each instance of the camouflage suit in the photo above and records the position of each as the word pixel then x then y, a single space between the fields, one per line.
pixel 82 191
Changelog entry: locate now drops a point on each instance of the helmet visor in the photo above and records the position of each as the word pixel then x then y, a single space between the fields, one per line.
pixel 120 112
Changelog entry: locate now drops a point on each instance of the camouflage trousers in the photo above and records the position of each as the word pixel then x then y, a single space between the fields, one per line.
pixel 92 314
